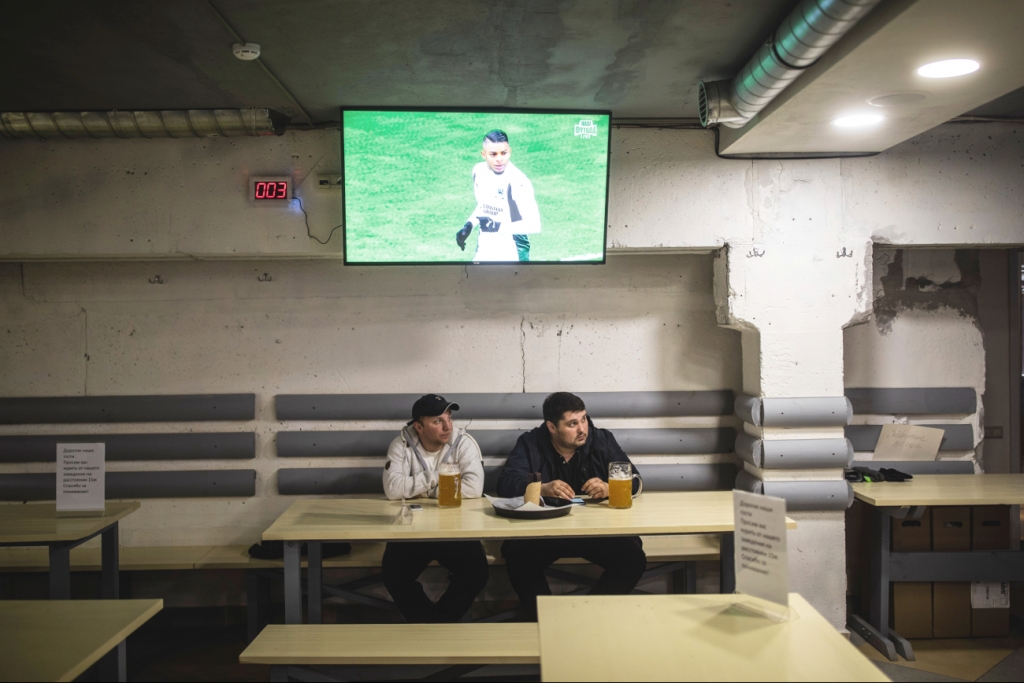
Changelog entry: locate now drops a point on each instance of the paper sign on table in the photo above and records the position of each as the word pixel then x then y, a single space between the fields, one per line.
pixel 762 567
pixel 908 442
pixel 81 480
pixel 990 595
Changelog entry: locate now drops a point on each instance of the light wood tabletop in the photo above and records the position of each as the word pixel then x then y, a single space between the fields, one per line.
pixel 441 644
pixel 690 638
pixel 39 523
pixel 57 640
pixel 365 518
pixel 944 489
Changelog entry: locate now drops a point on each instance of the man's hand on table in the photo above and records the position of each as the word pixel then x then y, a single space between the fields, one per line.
pixel 595 488
pixel 557 489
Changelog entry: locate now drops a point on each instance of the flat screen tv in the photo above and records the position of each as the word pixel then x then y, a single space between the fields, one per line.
pixel 474 187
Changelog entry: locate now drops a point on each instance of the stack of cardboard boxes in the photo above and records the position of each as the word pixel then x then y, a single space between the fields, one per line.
pixel 943 609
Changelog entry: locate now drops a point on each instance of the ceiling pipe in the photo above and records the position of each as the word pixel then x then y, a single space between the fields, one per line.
pixel 802 37
pixel 179 123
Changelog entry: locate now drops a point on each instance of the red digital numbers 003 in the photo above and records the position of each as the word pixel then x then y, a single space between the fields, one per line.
pixel 271 190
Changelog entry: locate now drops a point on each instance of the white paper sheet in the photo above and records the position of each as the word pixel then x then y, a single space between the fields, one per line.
pixel 990 595
pixel 514 504
pixel 81 480
pixel 762 567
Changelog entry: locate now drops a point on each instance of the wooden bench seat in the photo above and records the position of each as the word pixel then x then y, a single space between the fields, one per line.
pixel 394 644
pixel 693 548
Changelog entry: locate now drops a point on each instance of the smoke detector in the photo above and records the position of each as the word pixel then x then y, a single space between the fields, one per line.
pixel 247 52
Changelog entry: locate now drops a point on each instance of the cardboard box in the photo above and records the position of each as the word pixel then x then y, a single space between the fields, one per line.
pixel 912 609
pixel 990 622
pixel 990 527
pixel 951 528
pixel 912 535
pixel 951 608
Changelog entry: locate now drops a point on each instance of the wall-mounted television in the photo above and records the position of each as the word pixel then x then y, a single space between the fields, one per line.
pixel 432 186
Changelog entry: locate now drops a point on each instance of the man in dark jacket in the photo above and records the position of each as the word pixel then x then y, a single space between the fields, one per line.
pixel 572 458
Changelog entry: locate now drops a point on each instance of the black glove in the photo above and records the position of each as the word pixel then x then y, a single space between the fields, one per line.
pixel 487 225
pixel 462 235
pixel 894 475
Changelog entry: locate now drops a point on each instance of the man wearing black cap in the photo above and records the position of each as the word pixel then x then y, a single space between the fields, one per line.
pixel 572 457
pixel 414 458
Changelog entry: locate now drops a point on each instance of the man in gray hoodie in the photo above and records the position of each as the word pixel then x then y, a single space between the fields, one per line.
pixel 414 458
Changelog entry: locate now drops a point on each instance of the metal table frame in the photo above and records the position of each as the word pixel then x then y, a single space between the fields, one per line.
pixel 314 580
pixel 60 563
pixel 885 566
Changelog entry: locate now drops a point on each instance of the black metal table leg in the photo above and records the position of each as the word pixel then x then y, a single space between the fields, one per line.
pixel 110 581
pixel 60 571
pixel 112 666
pixel 292 583
pixel 314 583
pixel 727 563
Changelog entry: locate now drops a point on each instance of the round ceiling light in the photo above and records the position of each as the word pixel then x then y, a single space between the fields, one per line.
pixel 898 99
pixel 948 68
pixel 857 120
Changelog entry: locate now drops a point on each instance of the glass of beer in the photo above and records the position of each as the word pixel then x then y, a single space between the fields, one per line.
pixel 449 486
pixel 620 485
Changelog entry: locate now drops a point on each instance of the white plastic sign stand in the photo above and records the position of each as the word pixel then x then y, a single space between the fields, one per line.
pixel 762 566
pixel 81 479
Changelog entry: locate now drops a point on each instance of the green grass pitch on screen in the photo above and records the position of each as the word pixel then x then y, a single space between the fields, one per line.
pixel 409 189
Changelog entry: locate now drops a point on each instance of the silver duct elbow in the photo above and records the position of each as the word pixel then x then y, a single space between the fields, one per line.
pixel 187 123
pixel 802 37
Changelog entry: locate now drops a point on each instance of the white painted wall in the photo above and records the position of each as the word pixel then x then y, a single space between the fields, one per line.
pixel 798 268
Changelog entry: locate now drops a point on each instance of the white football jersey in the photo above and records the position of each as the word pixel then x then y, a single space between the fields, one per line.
pixel 506 198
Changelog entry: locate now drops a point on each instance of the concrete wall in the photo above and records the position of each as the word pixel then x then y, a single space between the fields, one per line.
pixel 795 268
pixel 639 323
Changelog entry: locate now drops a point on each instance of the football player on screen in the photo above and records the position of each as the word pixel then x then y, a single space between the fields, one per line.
pixel 506 209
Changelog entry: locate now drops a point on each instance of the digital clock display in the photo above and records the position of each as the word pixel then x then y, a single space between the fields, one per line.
pixel 270 191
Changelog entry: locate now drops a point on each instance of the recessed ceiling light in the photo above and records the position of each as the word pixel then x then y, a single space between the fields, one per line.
pixel 948 68
pixel 898 99
pixel 857 120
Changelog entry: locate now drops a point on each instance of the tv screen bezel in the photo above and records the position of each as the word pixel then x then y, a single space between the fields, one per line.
pixel 476 110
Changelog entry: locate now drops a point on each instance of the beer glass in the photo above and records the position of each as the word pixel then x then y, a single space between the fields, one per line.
pixel 620 485
pixel 449 485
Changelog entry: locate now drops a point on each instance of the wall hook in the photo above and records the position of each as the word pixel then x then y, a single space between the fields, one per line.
pixel 156 280
pixel 844 254
pixel 754 253
pixel 265 278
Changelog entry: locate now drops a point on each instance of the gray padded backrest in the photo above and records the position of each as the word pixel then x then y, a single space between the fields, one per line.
pixel 801 495
pixel 176 484
pixel 794 453
pixel 192 446
pixel 921 401
pixel 503 406
pixel 499 442
pixel 959 437
pixel 106 409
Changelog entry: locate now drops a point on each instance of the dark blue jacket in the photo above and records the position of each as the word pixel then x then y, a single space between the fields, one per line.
pixel 534 452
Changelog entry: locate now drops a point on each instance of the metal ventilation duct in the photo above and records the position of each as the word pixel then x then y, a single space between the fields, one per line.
pixel 809 30
pixel 188 123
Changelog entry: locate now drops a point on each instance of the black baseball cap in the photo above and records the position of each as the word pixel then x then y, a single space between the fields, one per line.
pixel 431 405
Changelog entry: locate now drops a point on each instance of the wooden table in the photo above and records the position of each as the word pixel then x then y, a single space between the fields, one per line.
pixel 468 646
pixel 363 518
pixel 690 638
pixel 38 524
pixel 43 640
pixel 910 499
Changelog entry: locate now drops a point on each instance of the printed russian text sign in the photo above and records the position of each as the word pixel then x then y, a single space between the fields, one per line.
pixel 81 478
pixel 762 567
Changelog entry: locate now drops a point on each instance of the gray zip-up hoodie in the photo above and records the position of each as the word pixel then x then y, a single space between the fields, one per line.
pixel 409 474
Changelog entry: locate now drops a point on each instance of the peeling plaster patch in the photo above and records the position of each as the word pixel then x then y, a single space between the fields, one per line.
pixel 899 293
pixel 653 30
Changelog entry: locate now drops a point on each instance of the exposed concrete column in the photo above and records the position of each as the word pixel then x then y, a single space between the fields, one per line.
pixel 790 292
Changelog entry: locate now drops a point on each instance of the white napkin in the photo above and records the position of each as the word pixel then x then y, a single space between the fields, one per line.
pixel 514 504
